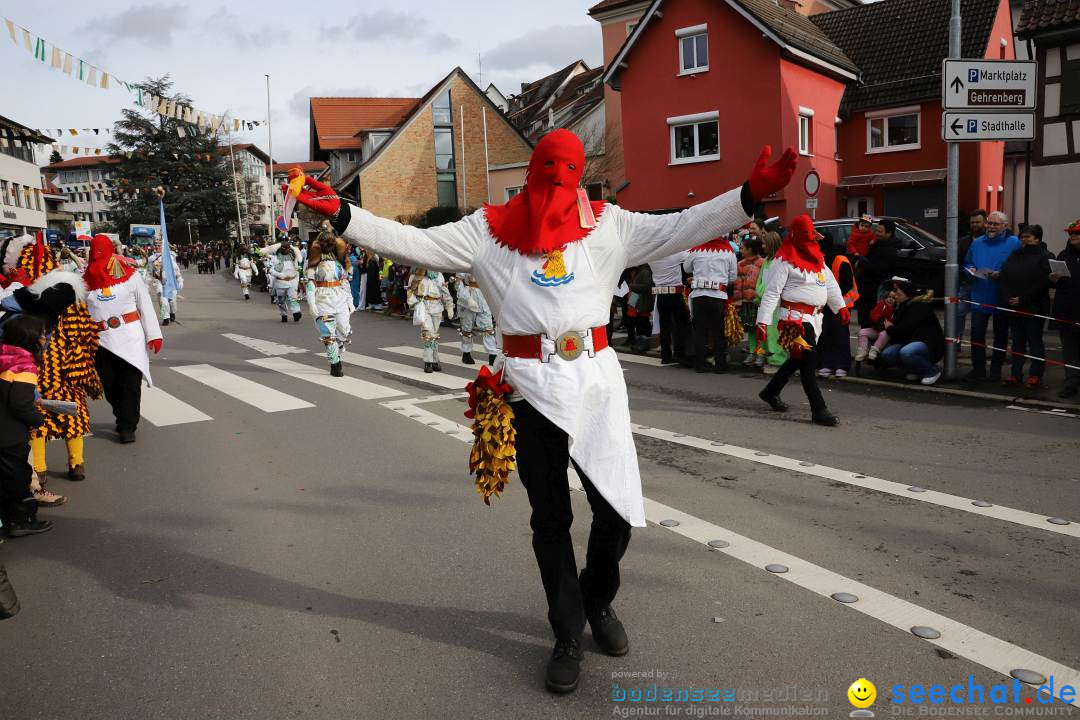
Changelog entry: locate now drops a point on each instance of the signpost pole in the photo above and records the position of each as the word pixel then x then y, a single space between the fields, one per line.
pixel 952 213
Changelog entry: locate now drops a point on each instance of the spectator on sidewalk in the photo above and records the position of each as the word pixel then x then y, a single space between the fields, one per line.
pixel 983 262
pixel 1025 283
pixel 1067 310
pixel 639 309
pixel 916 341
pixel 861 237
pixel 746 295
pixel 775 356
pixel 877 266
pixel 834 347
pixel 882 311
pixel 976 227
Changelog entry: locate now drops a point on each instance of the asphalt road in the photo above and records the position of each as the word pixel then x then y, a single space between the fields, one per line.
pixel 296 546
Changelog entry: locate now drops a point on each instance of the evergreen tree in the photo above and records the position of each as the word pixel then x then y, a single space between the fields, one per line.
pixel 55 157
pixel 153 153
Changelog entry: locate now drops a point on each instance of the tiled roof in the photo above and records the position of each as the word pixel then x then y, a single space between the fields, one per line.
pixel 580 82
pixel 798 30
pixel 1040 15
pixel 310 167
pixel 338 120
pixel 605 5
pixel 898 46
pixel 83 162
pixel 525 106
pixel 250 147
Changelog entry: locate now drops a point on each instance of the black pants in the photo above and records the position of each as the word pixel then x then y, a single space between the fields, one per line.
pixel 1027 334
pixel 123 388
pixel 543 455
pixel 834 347
pixel 17 503
pixel 674 320
pixel 709 319
pixel 979 324
pixel 1070 344
pixel 806 364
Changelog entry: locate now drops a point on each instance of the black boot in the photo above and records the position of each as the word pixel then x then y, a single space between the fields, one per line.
pixel 165 322
pixel 467 358
pixel 564 666
pixel 609 633
pixel 428 368
pixel 284 318
pixel 9 603
pixel 125 436
pixel 826 418
pixel 774 401
pixel 335 370
pixel 296 317
pixel 33 526
pixel 172 316
pixel 437 367
pixel 491 359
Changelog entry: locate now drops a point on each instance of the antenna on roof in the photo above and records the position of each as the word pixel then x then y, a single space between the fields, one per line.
pixel 480 63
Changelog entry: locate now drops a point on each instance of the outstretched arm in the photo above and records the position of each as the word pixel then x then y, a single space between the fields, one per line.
pixel 448 248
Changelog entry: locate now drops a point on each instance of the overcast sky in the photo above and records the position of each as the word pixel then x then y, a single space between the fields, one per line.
pixel 218 54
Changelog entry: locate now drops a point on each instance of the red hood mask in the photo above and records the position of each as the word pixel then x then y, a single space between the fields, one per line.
pixel 104 268
pixel 718 245
pixel 544 216
pixel 800 248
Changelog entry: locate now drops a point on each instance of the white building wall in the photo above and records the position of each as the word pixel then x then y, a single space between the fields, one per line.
pixel 1052 206
pixel 20 213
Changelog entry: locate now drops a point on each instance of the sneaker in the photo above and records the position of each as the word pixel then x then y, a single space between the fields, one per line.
pixel 861 354
pixel 46 498
pixel 824 373
pixel 841 373
pixel 30 527
pixel 1011 380
pixel 759 361
pixel 564 667
pixel 873 354
pixel 771 369
pixel 748 361
pixel 931 379
pixel 609 633
pixel 1034 383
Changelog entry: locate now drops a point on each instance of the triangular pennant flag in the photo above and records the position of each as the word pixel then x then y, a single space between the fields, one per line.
pixel 169 108
pixel 188 114
pixel 27 40
pixel 75 150
pixel 180 131
pixel 73 131
pixel 97 151
pixel 104 79
pixel 57 62
pixel 236 124
pixel 215 123
pixel 91 78
pixel 39 50
pixel 200 120
pixel 67 64
pixel 82 69
pixel 11 30
pixel 163 106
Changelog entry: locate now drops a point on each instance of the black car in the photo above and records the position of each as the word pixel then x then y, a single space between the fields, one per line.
pixel 921 258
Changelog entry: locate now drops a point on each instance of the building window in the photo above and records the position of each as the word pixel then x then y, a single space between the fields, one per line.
pixel 17 193
pixel 806 131
pixel 595 191
pixel 5 192
pixel 893 130
pixel 695 138
pixel 445 176
pixel 1070 87
pixel 693 49
pixel 512 191
pixel 446 186
pixel 440 110
pixel 37 200
pixel 97 194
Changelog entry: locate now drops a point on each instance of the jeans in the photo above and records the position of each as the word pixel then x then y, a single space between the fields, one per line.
pixel 543 454
pixel 962 311
pixel 979 323
pixel 1027 336
pixel 806 364
pixel 913 357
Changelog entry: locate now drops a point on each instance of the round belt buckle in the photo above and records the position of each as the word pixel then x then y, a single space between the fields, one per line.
pixel 569 346
pixel 113 322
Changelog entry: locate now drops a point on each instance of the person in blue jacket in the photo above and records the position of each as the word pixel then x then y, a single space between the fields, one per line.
pixel 983 263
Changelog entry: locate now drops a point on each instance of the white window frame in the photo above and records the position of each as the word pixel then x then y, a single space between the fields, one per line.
pixel 692 31
pixel 684 121
pixel 884 115
pixel 806 116
pixel 631 26
pixel 508 188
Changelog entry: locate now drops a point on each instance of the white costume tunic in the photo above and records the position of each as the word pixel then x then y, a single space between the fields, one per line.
pixel 428 297
pixel 157 272
pixel 667 271
pixel 586 397
pixel 128 339
pixel 244 270
pixel 475 315
pixel 784 281
pixel 333 302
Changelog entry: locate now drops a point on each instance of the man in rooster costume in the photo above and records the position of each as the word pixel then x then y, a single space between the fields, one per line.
pixel 801 284
pixel 548 263
pixel 120 304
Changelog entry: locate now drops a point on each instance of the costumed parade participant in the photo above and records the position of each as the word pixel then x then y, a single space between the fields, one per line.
pixel 428 297
pixel 283 270
pixel 799 282
pixel 548 262
pixel 166 305
pixel 715 269
pixel 671 306
pixel 244 269
pixel 475 317
pixel 142 267
pixel 326 278
pixel 119 302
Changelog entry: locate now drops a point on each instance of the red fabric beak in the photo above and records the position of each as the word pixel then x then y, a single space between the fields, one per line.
pixel 800 247
pixel 544 216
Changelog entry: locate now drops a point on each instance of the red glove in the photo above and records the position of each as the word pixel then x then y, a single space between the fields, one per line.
pixel 762 333
pixel 844 315
pixel 18 275
pixel 155 345
pixel 316 195
pixel 767 179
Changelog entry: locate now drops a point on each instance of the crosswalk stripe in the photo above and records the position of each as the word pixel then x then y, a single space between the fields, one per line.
pixel 956 637
pixel 415 352
pixel 255 394
pixel 321 376
pixel 266 347
pixel 404 371
pixel 161 409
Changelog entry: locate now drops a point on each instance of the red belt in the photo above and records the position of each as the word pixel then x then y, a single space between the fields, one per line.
pixel 115 322
pixel 568 346
pixel 327 283
pixel 800 307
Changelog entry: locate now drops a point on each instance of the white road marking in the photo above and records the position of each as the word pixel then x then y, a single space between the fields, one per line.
pixel 321 376
pixel 265 347
pixel 959 639
pixel 478 347
pixel 1056 412
pixel 934 497
pixel 415 352
pixel 405 371
pixel 255 394
pixel 161 409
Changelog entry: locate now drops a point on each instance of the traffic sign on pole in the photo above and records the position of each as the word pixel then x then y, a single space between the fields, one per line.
pixel 987 126
pixel 812 183
pixel 988 84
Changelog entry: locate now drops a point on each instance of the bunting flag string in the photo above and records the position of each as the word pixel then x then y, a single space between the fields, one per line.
pixel 77 68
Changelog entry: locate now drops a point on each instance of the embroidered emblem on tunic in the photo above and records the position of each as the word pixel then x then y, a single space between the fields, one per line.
pixel 553 272
pixel 821 278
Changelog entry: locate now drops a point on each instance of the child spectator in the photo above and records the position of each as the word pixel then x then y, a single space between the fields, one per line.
pixel 746 296
pixel 876 332
pixel 24 338
pixel 861 237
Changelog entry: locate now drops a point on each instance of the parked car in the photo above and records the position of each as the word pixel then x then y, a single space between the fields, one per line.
pixel 921 258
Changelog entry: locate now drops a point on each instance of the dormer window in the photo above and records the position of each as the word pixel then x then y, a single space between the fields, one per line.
pixel 693 49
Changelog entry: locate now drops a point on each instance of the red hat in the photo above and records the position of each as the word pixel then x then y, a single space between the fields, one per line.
pixel 1074 227
pixel 104 268
pixel 800 247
